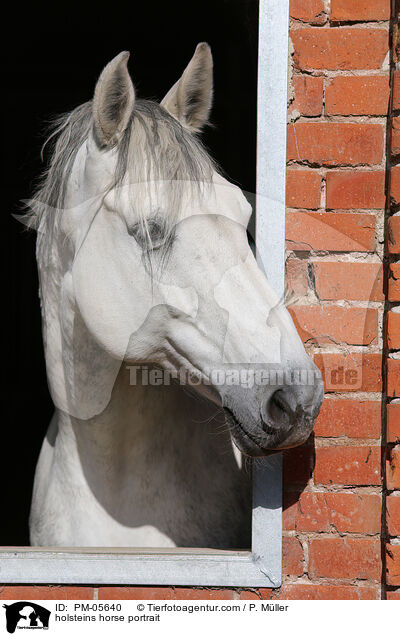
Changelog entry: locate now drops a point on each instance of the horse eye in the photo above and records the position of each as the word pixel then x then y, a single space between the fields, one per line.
pixel 156 232
pixel 153 238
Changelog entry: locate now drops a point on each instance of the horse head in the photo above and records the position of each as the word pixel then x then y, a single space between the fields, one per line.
pixel 153 256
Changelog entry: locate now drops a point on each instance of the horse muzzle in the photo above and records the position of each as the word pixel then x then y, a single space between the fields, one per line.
pixel 286 419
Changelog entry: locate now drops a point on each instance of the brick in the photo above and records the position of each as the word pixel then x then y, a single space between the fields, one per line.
pixel 292 556
pixel 348 281
pixel 395 141
pixel 348 465
pixel 360 10
pixel 311 11
pixel 393 515
pixel 308 95
pixel 322 512
pixel 393 595
pixel 393 564
pixel 303 189
pixel 297 465
pixel 393 423
pixel 335 232
pixel 395 34
pixel 347 48
pixel 345 558
pixel 312 513
pixel 289 509
pixel 135 593
pixel 349 418
pixel 395 144
pixel 163 593
pixel 318 592
pixel 393 377
pixel 393 468
pixel 394 282
pixel 327 324
pixel 349 512
pixel 335 144
pixel 394 235
pixel 355 189
pixel 395 185
pixel 349 95
pixel 351 372
pixel 393 330
pixel 396 91
pixel 263 593
pixel 189 594
pixel 297 276
pixel 45 592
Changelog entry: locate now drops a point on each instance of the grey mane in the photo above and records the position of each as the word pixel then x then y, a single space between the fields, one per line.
pixel 154 146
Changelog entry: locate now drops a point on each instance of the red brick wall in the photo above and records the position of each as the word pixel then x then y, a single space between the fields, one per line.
pixel 392 333
pixel 341 489
pixel 336 197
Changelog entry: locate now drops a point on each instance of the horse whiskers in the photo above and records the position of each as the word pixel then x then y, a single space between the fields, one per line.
pixel 219 432
pixel 208 419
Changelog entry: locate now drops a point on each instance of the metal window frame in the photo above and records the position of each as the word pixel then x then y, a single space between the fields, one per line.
pixel 262 566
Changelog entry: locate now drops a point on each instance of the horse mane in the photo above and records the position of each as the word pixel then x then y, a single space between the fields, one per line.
pixel 154 147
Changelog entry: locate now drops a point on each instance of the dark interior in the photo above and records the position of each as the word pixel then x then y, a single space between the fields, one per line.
pixel 50 66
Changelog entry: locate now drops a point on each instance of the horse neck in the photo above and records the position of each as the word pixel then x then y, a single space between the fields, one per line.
pixel 146 426
pixel 157 459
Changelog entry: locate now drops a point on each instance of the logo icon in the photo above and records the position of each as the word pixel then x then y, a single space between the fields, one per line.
pixel 26 615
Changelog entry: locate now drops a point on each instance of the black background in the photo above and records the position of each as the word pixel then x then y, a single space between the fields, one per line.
pixel 54 55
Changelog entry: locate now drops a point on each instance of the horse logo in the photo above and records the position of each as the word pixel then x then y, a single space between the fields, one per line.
pixel 26 615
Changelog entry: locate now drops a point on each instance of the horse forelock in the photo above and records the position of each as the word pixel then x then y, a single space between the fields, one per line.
pixel 154 149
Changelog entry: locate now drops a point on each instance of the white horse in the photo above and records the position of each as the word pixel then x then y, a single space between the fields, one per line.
pixel 145 269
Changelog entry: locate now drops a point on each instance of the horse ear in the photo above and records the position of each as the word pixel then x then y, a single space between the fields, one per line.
pixel 190 99
pixel 114 99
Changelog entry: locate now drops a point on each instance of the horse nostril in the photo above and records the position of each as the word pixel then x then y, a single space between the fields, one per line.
pixel 290 403
pixel 279 409
pixel 286 400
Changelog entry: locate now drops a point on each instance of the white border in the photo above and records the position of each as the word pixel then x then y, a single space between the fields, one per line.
pixel 262 566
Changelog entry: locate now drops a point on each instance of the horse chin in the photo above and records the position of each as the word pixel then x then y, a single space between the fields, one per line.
pixel 258 442
pixel 250 443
